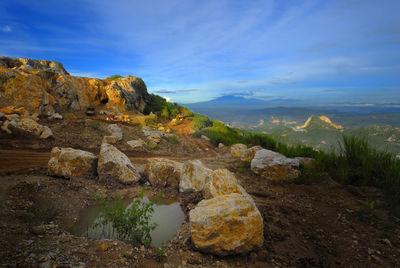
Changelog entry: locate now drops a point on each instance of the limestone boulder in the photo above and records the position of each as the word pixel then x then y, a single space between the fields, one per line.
pixel 115 165
pixel 227 224
pixel 115 130
pixel 71 163
pixel 163 172
pixel 274 166
pixel 221 145
pixel 138 144
pixel 222 182
pixel 28 126
pixel 249 154
pixel 194 176
pixel 238 149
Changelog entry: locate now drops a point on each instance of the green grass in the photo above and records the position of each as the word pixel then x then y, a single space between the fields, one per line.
pixel 114 77
pixel 356 162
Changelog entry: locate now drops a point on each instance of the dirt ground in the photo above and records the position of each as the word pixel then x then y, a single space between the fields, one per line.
pixel 320 225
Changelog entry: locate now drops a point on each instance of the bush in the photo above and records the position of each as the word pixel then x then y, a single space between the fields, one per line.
pixel 133 223
pixel 114 77
pixel 162 107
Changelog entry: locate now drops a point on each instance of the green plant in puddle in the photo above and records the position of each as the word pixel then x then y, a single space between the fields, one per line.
pixel 132 223
pixel 160 253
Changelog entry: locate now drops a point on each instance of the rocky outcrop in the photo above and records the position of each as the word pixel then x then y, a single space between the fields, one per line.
pixel 249 154
pixel 114 165
pixel 26 126
pixel 194 176
pixel 45 87
pixel 274 166
pixel 29 64
pixel 71 163
pixel 222 182
pixel 163 172
pixel 138 144
pixel 227 224
pixel 237 150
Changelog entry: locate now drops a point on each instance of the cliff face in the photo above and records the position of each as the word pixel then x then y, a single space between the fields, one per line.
pixel 44 87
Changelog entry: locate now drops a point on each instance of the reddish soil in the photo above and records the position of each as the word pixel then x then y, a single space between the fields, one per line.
pixel 320 225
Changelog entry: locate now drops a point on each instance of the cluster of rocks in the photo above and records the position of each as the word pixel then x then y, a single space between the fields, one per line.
pixel 111 164
pixel 269 164
pixel 18 121
pixel 227 221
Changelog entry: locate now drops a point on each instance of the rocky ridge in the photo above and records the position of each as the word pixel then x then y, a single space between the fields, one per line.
pixel 45 87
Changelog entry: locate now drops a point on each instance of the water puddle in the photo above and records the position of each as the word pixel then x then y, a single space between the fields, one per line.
pixel 167 214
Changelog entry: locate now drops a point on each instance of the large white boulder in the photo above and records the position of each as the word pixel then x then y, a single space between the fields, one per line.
pixel 70 163
pixel 163 172
pixel 115 165
pixel 222 182
pixel 227 224
pixel 274 166
pixel 194 176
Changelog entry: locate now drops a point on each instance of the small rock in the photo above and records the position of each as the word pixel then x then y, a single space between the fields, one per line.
pixel 205 138
pixel 115 130
pixel 387 242
pixel 103 247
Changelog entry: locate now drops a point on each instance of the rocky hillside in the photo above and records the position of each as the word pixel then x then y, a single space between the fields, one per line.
pixel 45 87
pixel 320 122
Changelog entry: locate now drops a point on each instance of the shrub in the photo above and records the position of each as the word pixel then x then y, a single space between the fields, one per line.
pixel 162 107
pixel 114 77
pixel 133 223
pixel 160 253
pixel 171 139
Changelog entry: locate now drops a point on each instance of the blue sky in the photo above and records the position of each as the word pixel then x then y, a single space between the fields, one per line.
pixel 319 51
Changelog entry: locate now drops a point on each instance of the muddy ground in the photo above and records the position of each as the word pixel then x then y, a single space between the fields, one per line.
pixel 320 225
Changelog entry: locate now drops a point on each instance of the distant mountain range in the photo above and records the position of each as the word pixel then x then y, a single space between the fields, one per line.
pixel 241 110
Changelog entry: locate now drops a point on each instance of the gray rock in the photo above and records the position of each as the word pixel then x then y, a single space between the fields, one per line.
pixel 115 165
pixel 274 166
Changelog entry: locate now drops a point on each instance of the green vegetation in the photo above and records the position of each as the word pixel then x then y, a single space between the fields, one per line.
pixel 162 108
pixel 171 139
pixel 151 122
pixel 160 253
pixel 114 77
pixel 133 223
pixel 356 162
pixel 200 121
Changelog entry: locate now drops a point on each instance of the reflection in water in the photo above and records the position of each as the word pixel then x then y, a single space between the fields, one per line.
pixel 167 214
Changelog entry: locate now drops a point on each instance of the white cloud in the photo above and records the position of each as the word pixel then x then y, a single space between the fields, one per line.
pixel 6 29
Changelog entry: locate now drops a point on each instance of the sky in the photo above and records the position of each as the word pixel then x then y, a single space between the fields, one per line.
pixel 188 50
